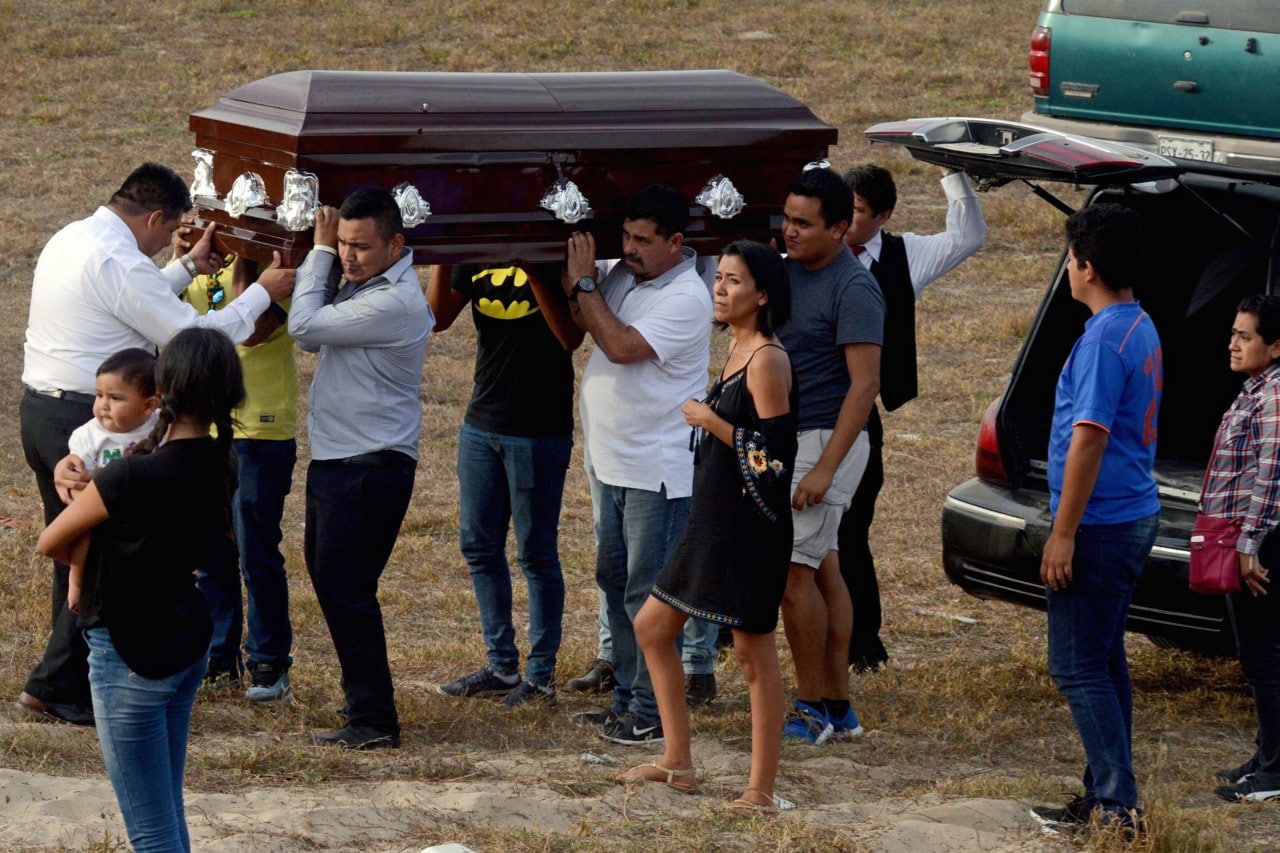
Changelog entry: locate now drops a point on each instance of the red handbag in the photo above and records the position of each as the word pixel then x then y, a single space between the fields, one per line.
pixel 1215 565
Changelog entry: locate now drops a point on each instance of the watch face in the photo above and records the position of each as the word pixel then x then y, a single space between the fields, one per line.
pixel 586 284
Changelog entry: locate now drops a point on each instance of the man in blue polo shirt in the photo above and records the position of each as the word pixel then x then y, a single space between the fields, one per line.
pixel 1105 508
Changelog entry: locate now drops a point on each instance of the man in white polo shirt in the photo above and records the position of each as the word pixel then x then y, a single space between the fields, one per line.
pixel 96 291
pixel 650 318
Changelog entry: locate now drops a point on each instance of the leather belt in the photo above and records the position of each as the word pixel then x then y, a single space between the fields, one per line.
pixel 378 459
pixel 69 396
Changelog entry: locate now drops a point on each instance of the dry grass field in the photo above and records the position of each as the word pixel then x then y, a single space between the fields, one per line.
pixel 963 714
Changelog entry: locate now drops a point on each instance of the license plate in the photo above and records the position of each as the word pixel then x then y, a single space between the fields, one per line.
pixel 1185 148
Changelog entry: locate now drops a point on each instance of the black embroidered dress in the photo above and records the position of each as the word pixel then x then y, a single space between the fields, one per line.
pixel 731 564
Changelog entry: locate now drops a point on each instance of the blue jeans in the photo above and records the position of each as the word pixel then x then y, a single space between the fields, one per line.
pixel 635 530
pixel 514 481
pixel 697 642
pixel 1257 627
pixel 265 478
pixel 142 730
pixel 1087 655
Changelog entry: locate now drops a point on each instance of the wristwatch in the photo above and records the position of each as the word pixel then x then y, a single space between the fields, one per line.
pixel 586 284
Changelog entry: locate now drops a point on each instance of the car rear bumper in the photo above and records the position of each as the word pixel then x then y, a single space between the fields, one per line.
pixel 992 538
pixel 1240 151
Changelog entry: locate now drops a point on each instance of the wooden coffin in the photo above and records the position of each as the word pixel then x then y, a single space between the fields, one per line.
pixel 483 149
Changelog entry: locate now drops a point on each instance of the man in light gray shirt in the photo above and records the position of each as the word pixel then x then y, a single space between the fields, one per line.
pixel 368 319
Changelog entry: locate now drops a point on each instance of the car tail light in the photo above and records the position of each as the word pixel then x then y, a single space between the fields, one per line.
pixel 989 465
pixel 1038 60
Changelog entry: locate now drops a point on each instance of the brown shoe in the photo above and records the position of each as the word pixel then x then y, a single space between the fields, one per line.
pixel 55 712
pixel 597 679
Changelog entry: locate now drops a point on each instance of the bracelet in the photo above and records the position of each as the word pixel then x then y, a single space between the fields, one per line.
pixel 189 265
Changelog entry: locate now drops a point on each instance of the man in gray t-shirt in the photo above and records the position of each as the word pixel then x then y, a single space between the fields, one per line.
pixel 834 339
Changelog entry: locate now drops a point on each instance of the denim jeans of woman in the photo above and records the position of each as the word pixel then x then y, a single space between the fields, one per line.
pixel 142 729
pixel 1087 656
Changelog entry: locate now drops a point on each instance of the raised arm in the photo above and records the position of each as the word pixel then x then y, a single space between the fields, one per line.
pixel 446 303
pixel 623 344
pixel 932 256
pixel 554 306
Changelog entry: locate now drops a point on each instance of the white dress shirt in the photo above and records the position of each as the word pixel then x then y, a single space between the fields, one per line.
pixel 95 293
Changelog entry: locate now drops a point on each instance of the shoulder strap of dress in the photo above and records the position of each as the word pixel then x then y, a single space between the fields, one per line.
pixel 762 346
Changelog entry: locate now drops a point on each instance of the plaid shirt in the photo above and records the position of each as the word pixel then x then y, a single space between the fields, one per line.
pixel 1243 480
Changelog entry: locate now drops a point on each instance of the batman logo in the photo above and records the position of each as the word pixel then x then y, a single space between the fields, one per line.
pixel 511 295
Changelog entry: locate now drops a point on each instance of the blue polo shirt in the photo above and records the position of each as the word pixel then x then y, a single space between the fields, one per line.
pixel 1112 380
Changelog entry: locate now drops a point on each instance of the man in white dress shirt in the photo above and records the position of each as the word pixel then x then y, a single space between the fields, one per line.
pixel 96 291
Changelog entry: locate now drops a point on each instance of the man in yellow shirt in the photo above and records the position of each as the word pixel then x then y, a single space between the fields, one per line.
pixel 266 449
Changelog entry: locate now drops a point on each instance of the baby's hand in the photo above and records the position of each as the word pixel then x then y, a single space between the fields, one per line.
pixel 70 477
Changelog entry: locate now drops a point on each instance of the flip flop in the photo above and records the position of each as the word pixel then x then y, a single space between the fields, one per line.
pixel 655 772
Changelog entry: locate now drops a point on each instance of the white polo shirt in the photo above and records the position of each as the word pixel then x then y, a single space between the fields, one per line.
pixel 634 434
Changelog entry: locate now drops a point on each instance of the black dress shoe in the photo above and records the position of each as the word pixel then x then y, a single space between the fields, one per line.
pixel 699 689
pixel 597 679
pixel 56 712
pixel 358 737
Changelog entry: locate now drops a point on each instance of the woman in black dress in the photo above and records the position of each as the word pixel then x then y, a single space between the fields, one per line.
pixel 730 567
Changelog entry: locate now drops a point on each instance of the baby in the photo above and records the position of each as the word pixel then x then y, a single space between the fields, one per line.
pixel 125 408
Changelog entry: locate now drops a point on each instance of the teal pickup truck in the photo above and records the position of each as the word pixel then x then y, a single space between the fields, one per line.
pixel 1187 79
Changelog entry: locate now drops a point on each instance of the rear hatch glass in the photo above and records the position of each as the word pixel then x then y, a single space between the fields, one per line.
pixel 1209 67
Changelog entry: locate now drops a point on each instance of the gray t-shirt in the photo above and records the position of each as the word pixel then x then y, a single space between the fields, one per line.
pixel 837 305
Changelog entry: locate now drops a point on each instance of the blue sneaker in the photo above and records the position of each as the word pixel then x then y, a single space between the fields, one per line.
pixel 847 727
pixel 807 723
pixel 269 683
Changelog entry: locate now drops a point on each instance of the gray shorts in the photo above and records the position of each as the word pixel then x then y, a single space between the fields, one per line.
pixel 817 528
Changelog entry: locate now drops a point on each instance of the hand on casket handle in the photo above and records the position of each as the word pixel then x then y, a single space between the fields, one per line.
pixel 581 255
pixel 180 241
pixel 327 227
pixel 277 279
pixel 207 259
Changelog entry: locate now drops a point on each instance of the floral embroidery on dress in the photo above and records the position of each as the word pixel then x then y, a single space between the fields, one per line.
pixel 754 463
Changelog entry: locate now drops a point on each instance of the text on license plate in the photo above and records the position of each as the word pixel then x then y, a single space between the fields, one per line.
pixel 1185 148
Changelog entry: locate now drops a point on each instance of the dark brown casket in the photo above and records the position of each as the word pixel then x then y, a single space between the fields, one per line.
pixel 483 149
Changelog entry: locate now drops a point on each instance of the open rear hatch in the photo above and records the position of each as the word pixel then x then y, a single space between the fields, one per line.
pixel 1001 151
pixel 1212 235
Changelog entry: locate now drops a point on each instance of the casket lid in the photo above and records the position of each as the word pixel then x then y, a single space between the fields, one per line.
pixel 438 110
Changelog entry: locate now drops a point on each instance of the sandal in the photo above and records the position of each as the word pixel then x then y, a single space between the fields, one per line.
pixel 655 772
pixel 745 806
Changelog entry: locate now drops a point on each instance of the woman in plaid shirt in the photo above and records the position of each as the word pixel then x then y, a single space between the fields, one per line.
pixel 1243 482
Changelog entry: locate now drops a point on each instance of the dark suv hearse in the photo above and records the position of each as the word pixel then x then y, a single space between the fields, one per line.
pixel 1213 236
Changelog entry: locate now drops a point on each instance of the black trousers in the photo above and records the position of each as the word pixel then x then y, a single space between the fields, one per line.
pixel 857 565
pixel 62 676
pixel 1256 622
pixel 354 510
